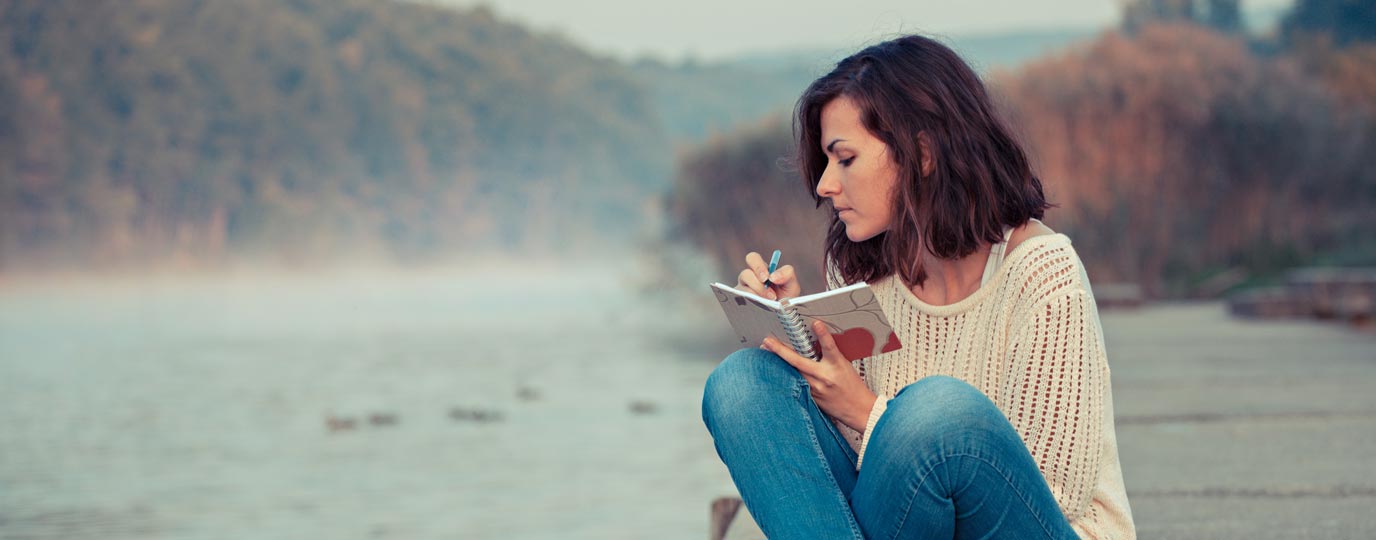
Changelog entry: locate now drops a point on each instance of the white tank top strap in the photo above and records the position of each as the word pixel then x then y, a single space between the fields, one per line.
pixel 996 254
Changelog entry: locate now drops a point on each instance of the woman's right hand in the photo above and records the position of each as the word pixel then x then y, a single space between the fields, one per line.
pixel 784 282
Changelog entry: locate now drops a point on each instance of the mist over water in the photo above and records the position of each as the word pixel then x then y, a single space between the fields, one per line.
pixel 524 402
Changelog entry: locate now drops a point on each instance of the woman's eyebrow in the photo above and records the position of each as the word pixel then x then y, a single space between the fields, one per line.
pixel 833 143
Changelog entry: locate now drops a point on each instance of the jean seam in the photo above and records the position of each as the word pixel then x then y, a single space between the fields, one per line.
pixel 922 479
pixel 817 445
pixel 840 439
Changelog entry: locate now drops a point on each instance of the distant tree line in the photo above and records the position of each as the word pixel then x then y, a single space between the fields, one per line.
pixel 1221 15
pixel 171 129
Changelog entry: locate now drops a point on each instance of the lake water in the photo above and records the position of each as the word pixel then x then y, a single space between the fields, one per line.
pixel 201 408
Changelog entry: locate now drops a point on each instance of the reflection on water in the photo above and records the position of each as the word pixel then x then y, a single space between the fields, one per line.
pixel 479 404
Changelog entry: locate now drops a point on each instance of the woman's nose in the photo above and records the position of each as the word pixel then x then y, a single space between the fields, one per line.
pixel 827 186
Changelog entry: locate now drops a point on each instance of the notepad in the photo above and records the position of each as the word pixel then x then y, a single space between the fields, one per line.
pixel 852 315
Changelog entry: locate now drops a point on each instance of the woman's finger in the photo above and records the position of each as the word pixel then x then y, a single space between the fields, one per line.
pixel 803 365
pixel 829 348
pixel 782 275
pixel 785 281
pixel 756 263
pixel 751 281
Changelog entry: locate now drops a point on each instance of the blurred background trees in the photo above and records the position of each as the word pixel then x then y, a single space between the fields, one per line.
pixel 737 194
pixel 156 129
pixel 1186 156
pixel 1191 150
pixel 1221 15
pixel 1199 155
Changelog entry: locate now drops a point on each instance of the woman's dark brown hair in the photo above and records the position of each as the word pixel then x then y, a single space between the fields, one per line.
pixel 981 179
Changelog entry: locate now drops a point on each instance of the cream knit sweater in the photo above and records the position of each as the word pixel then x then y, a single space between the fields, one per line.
pixel 1030 339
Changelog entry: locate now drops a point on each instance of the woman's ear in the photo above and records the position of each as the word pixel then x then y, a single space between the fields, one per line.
pixel 924 145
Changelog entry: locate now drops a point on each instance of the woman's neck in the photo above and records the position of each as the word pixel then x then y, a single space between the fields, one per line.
pixel 950 281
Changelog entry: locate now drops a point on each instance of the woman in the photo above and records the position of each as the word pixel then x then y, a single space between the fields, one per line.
pixel 995 419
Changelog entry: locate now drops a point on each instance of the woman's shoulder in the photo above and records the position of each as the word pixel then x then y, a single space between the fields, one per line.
pixel 1033 228
pixel 1041 263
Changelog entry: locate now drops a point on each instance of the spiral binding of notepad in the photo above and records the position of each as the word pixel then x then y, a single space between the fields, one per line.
pixel 798 333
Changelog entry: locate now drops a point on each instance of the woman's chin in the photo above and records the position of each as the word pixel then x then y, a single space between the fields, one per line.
pixel 856 234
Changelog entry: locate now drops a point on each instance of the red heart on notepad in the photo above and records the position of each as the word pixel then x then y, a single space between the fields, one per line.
pixel 892 344
pixel 855 343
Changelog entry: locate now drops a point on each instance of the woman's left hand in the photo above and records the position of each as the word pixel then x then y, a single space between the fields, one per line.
pixel 834 384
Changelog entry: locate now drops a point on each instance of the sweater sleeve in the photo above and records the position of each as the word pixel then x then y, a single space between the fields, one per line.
pixel 881 403
pixel 1056 396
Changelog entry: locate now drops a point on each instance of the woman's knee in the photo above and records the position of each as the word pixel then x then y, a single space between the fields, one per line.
pixel 746 374
pixel 944 391
pixel 941 408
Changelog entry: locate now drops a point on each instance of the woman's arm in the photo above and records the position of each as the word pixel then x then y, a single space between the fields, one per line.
pixel 1056 393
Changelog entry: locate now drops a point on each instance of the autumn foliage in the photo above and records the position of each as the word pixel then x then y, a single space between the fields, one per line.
pixel 1173 154
pixel 1178 151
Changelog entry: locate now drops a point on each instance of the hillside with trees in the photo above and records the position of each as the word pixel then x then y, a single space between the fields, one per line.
pixel 158 130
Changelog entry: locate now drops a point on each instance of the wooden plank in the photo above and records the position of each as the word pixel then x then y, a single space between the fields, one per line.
pixel 732 521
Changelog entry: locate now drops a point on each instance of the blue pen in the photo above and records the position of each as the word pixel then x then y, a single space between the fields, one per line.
pixel 773 264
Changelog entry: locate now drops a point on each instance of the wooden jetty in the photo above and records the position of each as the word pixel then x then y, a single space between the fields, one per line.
pixel 731 521
pixel 1117 295
pixel 1347 294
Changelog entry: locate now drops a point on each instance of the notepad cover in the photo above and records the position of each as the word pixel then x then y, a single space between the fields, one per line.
pixel 852 315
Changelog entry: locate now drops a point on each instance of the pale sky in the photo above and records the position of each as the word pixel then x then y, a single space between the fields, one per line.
pixel 713 29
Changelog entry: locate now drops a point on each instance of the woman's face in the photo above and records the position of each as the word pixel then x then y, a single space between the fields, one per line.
pixel 860 176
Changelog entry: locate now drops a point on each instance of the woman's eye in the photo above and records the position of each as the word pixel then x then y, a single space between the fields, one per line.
pixel 846 162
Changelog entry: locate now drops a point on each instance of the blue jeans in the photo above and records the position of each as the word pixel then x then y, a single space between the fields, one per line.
pixel 943 461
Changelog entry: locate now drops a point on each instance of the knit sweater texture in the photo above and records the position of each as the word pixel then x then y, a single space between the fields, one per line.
pixel 1030 339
